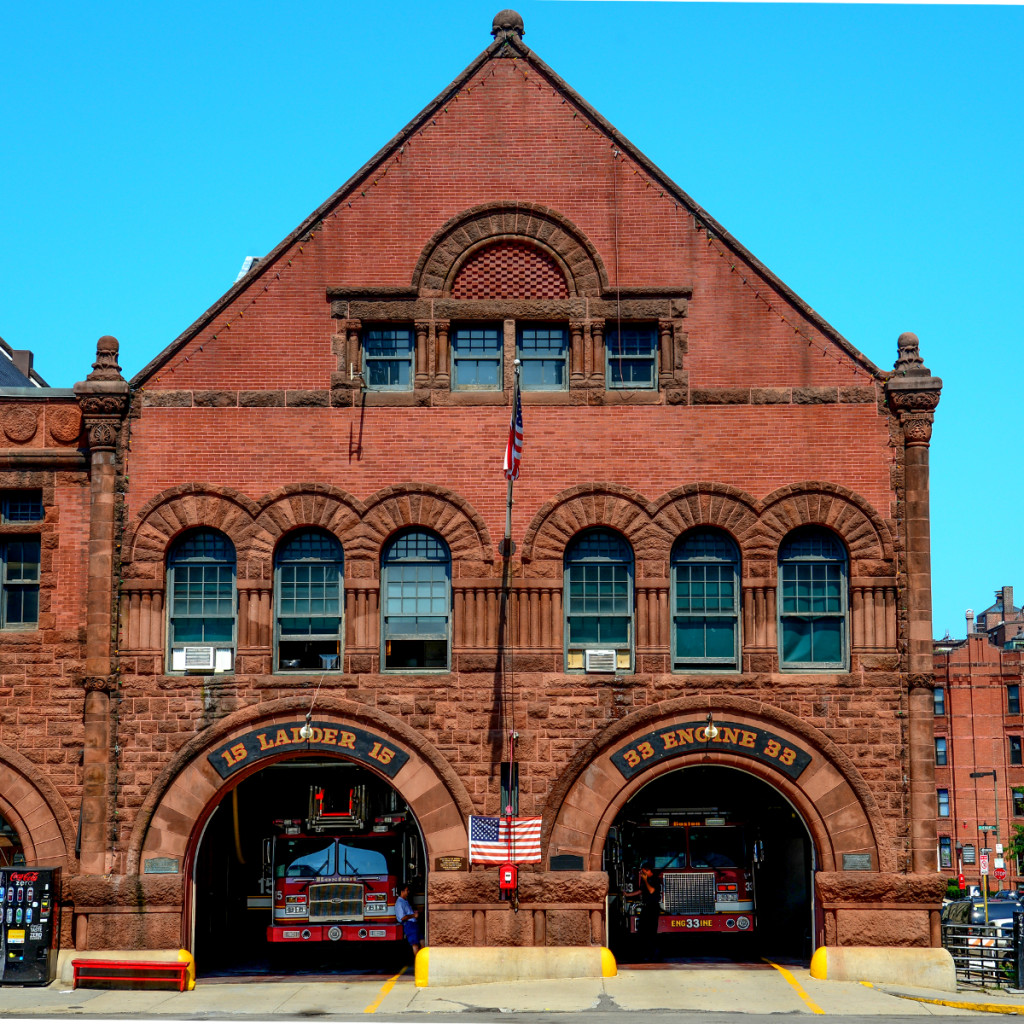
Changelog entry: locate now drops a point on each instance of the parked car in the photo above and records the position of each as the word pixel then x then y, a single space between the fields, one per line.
pixel 1000 911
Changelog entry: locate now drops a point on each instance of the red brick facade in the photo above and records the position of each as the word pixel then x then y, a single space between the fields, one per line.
pixel 507 202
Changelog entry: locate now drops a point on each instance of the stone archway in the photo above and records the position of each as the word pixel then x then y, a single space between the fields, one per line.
pixel 34 809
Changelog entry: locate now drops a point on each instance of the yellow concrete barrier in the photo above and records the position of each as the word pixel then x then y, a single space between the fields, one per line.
pixel 479 965
pixel 65 971
pixel 886 965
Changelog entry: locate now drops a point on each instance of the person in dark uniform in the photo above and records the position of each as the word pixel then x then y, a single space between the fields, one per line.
pixel 650 909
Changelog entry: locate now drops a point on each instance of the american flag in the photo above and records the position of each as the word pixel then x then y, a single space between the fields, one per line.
pixel 514 448
pixel 488 840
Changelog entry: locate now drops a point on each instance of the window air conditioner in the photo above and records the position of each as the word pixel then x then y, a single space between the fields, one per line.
pixel 599 661
pixel 198 659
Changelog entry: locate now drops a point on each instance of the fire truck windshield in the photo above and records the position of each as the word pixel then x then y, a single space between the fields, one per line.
pixel 353 860
pixel 666 849
pixel 717 847
pixel 305 858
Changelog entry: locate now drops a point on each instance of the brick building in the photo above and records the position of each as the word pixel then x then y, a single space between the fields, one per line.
pixel 722 512
pixel 979 732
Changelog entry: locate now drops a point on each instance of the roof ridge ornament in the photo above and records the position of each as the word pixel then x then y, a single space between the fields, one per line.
pixel 507 27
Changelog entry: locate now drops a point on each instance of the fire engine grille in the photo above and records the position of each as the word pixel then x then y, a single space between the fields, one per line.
pixel 335 901
pixel 689 894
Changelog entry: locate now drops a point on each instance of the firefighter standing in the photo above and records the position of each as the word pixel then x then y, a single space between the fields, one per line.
pixel 650 909
pixel 408 918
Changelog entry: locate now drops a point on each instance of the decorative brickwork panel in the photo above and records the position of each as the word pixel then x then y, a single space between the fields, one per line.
pixel 510 270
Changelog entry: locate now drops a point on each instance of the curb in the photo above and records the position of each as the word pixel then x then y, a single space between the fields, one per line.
pixel 481 965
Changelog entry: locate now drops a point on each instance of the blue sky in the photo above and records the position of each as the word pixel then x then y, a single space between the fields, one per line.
pixel 869 154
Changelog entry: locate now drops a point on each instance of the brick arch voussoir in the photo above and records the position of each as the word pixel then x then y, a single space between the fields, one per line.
pixel 529 221
pixel 704 504
pixel 184 789
pixel 578 780
pixel 298 505
pixel 848 514
pixel 33 806
pixel 437 508
pixel 178 509
pixel 582 507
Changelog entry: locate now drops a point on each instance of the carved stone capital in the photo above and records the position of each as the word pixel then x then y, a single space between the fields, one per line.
pixel 921 681
pixel 98 684
pixel 917 429
pixel 912 391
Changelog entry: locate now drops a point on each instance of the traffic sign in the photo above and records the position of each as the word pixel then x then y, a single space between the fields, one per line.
pixel 983 863
pixel 1000 874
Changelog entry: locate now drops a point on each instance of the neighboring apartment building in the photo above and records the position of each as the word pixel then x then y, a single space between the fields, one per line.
pixel 979 731
pixel 293 518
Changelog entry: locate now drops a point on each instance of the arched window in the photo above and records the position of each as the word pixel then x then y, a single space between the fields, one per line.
pixel 201 604
pixel 705 601
pixel 416 573
pixel 308 600
pixel 599 603
pixel 813 601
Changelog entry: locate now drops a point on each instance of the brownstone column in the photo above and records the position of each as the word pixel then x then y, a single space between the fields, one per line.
pixel 597 344
pixel 103 397
pixel 442 363
pixel 576 366
pixel 913 394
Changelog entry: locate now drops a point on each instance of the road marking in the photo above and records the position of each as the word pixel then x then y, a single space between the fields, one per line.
pixel 965 1004
pixel 814 1007
pixel 388 986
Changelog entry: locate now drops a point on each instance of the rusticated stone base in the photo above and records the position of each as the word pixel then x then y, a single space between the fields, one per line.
pixel 126 911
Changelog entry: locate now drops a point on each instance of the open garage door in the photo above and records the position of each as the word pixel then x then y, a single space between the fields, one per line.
pixel 297 871
pixel 709 863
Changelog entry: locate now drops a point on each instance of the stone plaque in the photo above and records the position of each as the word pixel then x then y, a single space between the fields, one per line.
pixel 160 866
pixel 856 861
pixel 567 862
pixel 450 864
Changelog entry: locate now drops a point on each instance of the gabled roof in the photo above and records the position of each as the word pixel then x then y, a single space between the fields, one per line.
pixel 508 43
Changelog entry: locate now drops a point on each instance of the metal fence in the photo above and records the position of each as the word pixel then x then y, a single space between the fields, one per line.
pixel 987 955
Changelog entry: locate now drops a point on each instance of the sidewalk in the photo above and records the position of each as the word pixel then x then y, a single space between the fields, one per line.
pixel 749 989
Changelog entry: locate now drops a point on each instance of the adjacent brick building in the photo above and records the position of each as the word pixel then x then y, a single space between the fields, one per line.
pixel 717 489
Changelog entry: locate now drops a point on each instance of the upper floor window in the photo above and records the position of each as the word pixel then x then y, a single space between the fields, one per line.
pixel 19 565
pixel 939 696
pixel 1015 749
pixel 943 800
pixel 416 573
pixel 1013 699
pixel 705 601
pixel 940 750
pixel 1018 801
pixel 308 600
pixel 945 851
pixel 388 358
pixel 812 609
pixel 599 602
pixel 476 358
pixel 21 506
pixel 201 602
pixel 632 358
pixel 544 353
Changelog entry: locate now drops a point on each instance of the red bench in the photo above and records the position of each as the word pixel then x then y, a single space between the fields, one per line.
pixel 143 974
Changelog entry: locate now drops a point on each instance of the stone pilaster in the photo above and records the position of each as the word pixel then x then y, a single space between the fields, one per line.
pixel 103 399
pixel 913 393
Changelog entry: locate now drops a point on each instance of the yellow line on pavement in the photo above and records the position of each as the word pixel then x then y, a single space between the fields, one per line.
pixel 814 1007
pixel 388 986
pixel 964 1004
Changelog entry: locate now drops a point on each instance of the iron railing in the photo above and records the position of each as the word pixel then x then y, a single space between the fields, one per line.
pixel 987 955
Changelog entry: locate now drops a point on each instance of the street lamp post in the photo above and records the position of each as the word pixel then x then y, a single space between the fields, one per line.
pixel 985 829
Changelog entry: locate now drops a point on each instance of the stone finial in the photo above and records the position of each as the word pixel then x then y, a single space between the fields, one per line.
pixel 913 392
pixel 909 361
pixel 106 366
pixel 506 25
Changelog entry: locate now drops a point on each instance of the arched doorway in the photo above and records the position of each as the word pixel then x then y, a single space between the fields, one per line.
pixel 731 865
pixel 12 852
pixel 296 870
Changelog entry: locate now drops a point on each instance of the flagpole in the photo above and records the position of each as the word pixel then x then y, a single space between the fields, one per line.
pixel 511 480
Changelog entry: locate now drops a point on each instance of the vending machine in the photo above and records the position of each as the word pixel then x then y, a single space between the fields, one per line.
pixel 29 925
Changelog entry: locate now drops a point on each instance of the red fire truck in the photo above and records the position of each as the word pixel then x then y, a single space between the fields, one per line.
pixel 335 875
pixel 704 864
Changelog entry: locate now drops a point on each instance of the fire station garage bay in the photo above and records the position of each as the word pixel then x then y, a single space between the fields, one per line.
pixel 508 530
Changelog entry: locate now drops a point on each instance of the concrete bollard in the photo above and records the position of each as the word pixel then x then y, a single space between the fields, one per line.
pixel 886 965
pixel 479 965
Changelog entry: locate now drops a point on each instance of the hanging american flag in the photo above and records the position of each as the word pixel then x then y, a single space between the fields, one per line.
pixel 489 840
pixel 514 448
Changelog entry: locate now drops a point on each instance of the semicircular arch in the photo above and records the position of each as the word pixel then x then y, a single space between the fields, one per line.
pixel 550 231
pixel 37 812
pixel 829 792
pixel 706 504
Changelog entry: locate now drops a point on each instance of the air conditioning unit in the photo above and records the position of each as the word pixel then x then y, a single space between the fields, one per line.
pixel 599 661
pixel 199 659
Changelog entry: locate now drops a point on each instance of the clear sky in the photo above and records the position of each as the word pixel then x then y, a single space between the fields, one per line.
pixel 869 154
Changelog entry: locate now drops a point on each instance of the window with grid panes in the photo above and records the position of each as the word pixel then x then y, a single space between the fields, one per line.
pixel 19 588
pixel 388 358
pixel 308 601
pixel 940 750
pixel 945 852
pixel 631 358
pixel 416 602
pixel 705 601
pixel 476 358
pixel 1018 801
pixel 943 802
pixel 813 601
pixel 599 598
pixel 21 506
pixel 543 352
pixel 1013 699
pixel 1015 749
pixel 201 585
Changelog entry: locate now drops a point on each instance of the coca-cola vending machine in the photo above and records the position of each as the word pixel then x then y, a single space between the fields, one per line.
pixel 29 925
